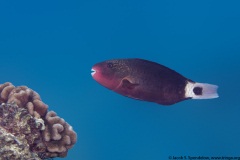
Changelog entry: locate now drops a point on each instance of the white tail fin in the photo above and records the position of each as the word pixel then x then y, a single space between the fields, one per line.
pixel 200 90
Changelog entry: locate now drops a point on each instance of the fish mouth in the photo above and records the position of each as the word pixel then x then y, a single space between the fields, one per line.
pixel 93 71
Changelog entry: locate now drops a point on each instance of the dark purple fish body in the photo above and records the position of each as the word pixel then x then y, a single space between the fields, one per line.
pixel 149 81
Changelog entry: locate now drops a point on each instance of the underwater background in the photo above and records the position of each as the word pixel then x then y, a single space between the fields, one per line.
pixel 50 46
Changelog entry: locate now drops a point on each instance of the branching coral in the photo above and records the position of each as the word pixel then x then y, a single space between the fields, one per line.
pixel 58 135
pixel 23 97
pixel 28 129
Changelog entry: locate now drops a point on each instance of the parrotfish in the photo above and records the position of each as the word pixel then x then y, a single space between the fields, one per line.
pixel 149 81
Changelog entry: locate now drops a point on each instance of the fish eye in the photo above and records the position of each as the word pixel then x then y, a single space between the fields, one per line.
pixel 110 65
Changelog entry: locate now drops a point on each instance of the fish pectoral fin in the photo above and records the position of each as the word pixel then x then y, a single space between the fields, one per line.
pixel 126 84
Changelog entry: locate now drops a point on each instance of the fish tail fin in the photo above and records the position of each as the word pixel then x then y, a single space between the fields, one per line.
pixel 200 90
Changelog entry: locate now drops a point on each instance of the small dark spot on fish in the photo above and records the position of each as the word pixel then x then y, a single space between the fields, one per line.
pixel 198 90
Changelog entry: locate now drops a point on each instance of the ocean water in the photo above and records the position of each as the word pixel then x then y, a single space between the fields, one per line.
pixel 50 46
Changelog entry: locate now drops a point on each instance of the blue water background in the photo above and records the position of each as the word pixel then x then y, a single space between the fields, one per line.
pixel 50 46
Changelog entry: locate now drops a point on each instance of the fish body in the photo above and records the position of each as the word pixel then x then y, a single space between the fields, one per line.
pixel 149 81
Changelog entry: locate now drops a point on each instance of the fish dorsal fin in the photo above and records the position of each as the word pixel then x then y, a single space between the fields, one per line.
pixel 126 84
